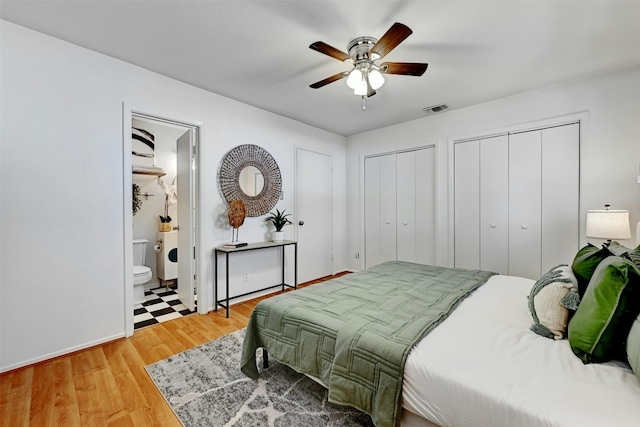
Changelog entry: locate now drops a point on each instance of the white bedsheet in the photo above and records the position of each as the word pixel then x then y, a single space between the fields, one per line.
pixel 484 367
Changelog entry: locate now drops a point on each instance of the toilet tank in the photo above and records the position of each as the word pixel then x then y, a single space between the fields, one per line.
pixel 139 251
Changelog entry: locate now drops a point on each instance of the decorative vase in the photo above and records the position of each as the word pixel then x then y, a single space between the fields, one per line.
pixel 165 226
pixel 277 236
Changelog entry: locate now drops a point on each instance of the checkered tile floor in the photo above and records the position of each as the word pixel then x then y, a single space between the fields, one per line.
pixel 160 305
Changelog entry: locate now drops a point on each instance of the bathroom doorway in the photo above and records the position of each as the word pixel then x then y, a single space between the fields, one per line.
pixel 164 182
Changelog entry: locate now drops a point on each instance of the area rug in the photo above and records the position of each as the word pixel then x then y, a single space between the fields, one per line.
pixel 204 387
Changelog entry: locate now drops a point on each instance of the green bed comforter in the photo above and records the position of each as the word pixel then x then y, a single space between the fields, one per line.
pixel 354 333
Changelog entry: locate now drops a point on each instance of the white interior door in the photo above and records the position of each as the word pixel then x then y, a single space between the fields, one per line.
pixel 560 195
pixel 525 204
pixel 186 218
pixel 314 214
pixel 372 219
pixel 425 206
pixel 467 205
pixel 494 204
pixel 388 208
pixel 406 206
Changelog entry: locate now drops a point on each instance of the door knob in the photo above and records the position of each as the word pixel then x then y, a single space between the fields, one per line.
pixel 493 226
pixel 524 227
pixel 300 223
pixel 405 223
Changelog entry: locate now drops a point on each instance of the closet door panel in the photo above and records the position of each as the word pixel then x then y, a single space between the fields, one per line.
pixel 560 195
pixel 406 206
pixel 372 212
pixel 372 218
pixel 388 208
pixel 525 204
pixel 467 205
pixel 494 204
pixel 425 206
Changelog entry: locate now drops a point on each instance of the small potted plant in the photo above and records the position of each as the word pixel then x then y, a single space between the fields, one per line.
pixel 279 220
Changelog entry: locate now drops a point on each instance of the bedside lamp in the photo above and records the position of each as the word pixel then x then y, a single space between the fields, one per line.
pixel 608 224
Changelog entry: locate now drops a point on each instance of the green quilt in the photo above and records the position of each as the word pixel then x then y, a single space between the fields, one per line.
pixel 354 333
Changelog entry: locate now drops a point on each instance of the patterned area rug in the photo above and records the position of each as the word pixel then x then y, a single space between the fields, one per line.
pixel 204 387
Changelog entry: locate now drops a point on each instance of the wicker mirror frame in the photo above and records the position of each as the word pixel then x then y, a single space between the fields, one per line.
pixel 234 162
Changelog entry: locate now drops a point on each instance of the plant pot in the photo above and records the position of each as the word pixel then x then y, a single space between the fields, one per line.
pixel 165 226
pixel 277 236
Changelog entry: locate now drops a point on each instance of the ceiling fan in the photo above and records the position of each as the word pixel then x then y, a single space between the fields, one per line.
pixel 366 76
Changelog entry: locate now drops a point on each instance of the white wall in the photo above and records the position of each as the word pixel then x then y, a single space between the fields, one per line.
pixel 610 147
pixel 62 180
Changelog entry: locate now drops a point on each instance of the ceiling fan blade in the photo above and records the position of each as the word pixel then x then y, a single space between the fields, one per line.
pixel 392 38
pixel 406 68
pixel 328 80
pixel 331 51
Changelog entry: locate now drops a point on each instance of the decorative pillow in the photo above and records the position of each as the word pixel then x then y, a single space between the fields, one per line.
pixel 550 300
pixel 598 329
pixel 633 347
pixel 585 263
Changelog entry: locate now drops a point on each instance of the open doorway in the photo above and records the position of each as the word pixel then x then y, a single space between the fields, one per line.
pixel 163 223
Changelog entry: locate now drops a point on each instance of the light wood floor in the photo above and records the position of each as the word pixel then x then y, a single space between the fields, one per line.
pixel 107 385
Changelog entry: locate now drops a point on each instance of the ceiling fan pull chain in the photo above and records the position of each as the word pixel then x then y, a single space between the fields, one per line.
pixel 364 102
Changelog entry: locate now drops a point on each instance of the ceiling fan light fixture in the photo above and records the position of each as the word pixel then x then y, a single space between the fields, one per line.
pixel 361 88
pixel 354 79
pixel 375 79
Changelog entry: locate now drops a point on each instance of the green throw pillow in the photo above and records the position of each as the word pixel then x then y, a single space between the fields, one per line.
pixel 585 263
pixel 599 328
pixel 634 255
pixel 633 347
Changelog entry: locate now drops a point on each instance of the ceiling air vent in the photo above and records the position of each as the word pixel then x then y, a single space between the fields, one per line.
pixel 435 108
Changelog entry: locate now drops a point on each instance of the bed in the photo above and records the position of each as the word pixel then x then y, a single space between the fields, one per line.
pixel 474 362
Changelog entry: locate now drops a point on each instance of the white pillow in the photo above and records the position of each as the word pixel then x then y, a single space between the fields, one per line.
pixel 551 299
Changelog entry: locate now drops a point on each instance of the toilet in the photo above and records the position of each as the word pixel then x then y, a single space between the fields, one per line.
pixel 141 273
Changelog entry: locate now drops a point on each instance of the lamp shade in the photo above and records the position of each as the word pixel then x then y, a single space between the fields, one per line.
pixel 608 224
pixel 354 79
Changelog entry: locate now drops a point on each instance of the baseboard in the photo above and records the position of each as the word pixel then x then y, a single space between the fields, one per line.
pixel 60 353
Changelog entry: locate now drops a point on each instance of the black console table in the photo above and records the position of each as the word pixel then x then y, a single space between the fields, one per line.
pixel 224 303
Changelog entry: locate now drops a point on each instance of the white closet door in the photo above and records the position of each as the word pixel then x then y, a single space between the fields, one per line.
pixel 380 209
pixel 494 204
pixel 525 204
pixel 388 208
pixel 467 205
pixel 425 206
pixel 560 195
pixel 372 218
pixel 406 206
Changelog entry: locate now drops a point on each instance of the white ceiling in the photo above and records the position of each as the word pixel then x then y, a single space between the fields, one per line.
pixel 257 51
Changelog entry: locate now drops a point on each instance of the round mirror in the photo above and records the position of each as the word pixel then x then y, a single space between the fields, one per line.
pixel 251 181
pixel 249 173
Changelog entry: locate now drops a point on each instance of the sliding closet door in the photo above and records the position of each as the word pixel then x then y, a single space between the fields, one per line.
pixel 525 204
pixel 494 204
pixel 560 195
pixel 467 204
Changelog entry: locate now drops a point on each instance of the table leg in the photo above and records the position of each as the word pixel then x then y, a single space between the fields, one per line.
pixel 282 268
pixel 215 279
pixel 227 277
pixel 295 266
